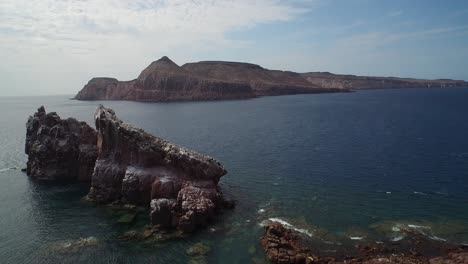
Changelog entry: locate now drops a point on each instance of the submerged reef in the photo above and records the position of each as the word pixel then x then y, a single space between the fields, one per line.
pixel 126 165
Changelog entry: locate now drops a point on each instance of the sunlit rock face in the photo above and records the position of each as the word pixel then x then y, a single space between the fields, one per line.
pixel 59 149
pixel 135 167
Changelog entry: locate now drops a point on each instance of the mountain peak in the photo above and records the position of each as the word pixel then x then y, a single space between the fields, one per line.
pixel 165 59
pixel 164 64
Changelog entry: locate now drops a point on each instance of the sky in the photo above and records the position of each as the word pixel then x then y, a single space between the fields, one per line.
pixel 52 47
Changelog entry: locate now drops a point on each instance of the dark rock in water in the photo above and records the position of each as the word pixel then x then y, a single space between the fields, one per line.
pixel 59 149
pixel 284 245
pixel 162 211
pixel 127 166
pixel 199 249
pixel 127 218
pixel 138 168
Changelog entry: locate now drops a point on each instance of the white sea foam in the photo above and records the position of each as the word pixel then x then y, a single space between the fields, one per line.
pixel 261 211
pixel 398 238
pixel 437 238
pixel 418 226
pixel 287 225
pixel 420 193
pixel 356 238
pixel 388 192
pixel 5 169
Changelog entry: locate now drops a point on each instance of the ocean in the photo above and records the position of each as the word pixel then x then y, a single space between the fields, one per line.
pixel 342 168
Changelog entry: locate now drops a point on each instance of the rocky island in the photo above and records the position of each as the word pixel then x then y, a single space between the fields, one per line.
pixel 126 165
pixel 163 81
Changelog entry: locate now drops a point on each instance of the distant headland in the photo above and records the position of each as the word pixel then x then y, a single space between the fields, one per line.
pixel 165 81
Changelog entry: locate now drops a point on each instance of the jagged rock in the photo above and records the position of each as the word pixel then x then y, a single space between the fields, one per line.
pixel 135 167
pixel 59 149
pixel 284 245
pixel 281 245
pixel 127 166
pixel 163 212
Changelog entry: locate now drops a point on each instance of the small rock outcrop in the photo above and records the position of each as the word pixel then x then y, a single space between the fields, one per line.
pixel 59 149
pixel 282 245
pixel 287 246
pixel 135 167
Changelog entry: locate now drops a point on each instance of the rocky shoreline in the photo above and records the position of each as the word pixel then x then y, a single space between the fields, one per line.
pixel 126 166
pixel 285 245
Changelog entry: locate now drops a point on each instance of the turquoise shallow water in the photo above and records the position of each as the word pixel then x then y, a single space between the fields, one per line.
pixel 345 165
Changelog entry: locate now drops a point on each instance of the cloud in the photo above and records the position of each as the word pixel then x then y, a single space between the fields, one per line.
pixel 164 22
pixel 48 34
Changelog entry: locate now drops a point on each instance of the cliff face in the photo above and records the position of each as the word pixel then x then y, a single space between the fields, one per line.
pixel 330 80
pixel 59 149
pixel 263 81
pixel 163 80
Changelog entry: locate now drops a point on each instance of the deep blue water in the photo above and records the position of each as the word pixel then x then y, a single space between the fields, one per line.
pixel 337 165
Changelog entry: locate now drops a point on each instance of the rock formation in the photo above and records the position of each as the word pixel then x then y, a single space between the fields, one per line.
pixel 137 168
pixel 126 165
pixel 286 246
pixel 59 149
pixel 163 80
pixel 282 245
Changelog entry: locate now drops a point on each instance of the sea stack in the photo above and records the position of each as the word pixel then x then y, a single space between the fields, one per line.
pixel 126 165
pixel 135 167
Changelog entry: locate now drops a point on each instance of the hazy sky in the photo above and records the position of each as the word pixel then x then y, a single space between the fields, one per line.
pixel 56 46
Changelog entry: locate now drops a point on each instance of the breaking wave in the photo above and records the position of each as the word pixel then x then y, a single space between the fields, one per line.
pixel 287 225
